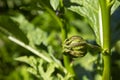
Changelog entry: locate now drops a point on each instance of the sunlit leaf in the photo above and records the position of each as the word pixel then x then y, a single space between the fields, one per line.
pixel 24 24
pixel 115 19
pixel 40 71
pixel 33 71
pixel 115 23
pixel 49 71
pixel 29 60
pixel 115 6
pixel 90 12
pixel 54 4
pixel 35 35
pixel 66 77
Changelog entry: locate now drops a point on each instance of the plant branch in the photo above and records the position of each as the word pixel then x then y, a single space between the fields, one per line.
pixel 66 58
pixel 34 51
pixel 105 6
pixel 13 39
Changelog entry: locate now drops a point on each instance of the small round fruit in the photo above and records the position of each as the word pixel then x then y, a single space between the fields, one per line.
pixel 75 46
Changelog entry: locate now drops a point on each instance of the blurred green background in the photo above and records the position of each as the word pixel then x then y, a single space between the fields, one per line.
pixel 34 14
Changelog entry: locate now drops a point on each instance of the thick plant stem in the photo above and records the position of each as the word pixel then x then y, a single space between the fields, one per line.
pixel 107 67
pixel 105 6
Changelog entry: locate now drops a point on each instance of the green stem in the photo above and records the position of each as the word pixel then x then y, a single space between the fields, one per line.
pixel 66 59
pixel 105 6
pixel 15 40
pixel 107 68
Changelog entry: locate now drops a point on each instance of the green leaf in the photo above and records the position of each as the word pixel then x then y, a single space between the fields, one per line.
pixel 33 71
pixel 33 62
pixel 24 24
pixel 35 35
pixel 54 4
pixel 87 65
pixel 29 60
pixel 115 6
pixel 115 23
pixel 43 70
pixel 9 27
pixel 48 72
pixel 66 77
pixel 37 68
pixel 89 11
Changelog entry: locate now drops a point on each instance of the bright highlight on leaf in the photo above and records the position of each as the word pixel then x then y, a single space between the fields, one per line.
pixel 54 4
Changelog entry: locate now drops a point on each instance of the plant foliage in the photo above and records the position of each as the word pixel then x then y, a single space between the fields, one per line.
pixel 36 27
